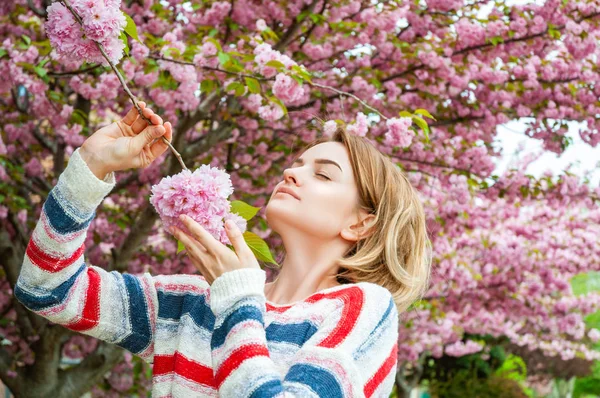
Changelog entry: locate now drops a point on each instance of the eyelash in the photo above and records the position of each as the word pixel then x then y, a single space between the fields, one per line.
pixel 324 176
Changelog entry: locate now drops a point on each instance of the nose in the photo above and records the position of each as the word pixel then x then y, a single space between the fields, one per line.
pixel 290 176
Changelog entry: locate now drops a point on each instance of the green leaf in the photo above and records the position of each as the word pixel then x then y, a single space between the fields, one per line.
pixel 213 32
pixel 513 368
pixel 586 283
pixel 278 102
pixel 216 43
pixel 223 57
pixel 405 114
pixel 26 39
pixel 207 86
pixel 41 72
pixel 259 247
pixel 238 87
pixel 180 247
pixel 423 125
pixel 253 85
pixel 275 64
pixel 123 38
pixel 425 113
pixel 3 52
pixel 130 28
pixel 243 209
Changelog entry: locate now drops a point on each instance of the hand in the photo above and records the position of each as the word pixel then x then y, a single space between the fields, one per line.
pixel 211 257
pixel 128 143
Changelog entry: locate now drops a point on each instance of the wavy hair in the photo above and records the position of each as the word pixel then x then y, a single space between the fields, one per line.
pixel 396 251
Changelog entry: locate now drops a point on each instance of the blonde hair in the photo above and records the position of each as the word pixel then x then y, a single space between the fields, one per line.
pixel 396 253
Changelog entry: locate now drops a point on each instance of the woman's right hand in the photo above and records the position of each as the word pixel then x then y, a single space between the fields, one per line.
pixel 128 143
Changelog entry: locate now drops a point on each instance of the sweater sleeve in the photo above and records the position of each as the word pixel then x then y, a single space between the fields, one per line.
pixel 353 353
pixel 56 283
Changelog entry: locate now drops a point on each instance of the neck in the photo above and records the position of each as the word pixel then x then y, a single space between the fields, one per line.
pixel 308 267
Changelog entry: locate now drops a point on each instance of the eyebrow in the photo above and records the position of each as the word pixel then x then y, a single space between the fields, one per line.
pixel 319 161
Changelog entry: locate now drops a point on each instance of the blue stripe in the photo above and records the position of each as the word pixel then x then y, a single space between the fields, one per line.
pixel 271 388
pixel 46 298
pixel 375 333
pixel 174 306
pixel 141 333
pixel 295 333
pixel 243 313
pixel 60 220
pixel 320 380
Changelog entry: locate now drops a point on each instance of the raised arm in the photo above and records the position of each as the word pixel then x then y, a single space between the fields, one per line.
pixel 55 280
pixel 353 353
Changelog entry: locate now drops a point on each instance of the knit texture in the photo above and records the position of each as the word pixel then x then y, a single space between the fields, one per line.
pixel 205 341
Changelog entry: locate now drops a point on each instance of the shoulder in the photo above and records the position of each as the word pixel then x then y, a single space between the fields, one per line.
pixel 364 305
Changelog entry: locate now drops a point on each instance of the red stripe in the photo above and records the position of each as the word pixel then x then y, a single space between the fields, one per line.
pixel 179 364
pixel 353 299
pixel 236 358
pixel 382 372
pixel 49 263
pixel 91 309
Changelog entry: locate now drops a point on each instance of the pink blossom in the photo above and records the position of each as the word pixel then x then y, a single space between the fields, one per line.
pixel 261 25
pixel 398 133
pixel 201 195
pixel 103 22
pixel 360 127
pixel 329 128
pixel 270 112
pixel 460 348
pixel 287 89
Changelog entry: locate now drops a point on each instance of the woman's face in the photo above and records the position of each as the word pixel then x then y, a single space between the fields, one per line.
pixel 327 197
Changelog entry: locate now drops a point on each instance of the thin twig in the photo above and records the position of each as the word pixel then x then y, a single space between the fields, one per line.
pixel 122 80
pixel 339 92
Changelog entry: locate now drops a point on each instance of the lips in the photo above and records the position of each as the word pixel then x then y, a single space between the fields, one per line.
pixel 288 191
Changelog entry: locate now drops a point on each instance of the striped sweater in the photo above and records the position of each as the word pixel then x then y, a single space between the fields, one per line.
pixel 223 339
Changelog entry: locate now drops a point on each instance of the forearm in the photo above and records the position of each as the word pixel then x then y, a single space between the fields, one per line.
pixel 55 251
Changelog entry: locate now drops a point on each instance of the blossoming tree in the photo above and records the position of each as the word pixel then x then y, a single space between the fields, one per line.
pixel 242 83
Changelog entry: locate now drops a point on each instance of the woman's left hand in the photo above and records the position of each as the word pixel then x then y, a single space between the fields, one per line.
pixel 211 257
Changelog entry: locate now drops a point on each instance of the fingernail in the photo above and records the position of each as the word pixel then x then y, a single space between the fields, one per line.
pixel 182 217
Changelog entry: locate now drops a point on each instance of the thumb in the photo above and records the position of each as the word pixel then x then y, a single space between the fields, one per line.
pixel 147 136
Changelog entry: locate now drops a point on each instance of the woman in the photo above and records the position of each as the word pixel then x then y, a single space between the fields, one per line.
pixel 356 253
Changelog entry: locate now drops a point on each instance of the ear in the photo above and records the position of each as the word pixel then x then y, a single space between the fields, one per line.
pixel 359 230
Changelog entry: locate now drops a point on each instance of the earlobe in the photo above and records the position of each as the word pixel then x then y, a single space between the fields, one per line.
pixel 359 230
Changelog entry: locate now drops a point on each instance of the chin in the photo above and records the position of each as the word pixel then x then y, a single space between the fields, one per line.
pixel 281 220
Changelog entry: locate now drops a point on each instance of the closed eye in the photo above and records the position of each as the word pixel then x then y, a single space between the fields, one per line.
pixel 324 176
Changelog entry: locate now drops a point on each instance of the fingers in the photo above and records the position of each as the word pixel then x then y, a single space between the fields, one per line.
pixel 140 124
pixel 159 147
pixel 133 114
pixel 202 235
pixel 146 137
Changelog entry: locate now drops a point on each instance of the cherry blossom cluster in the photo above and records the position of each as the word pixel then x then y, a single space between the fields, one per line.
pixel 102 22
pixel 201 195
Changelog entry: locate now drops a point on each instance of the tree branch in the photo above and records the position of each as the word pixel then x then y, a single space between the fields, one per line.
pixel 293 28
pixel 74 72
pixel 41 12
pixel 76 381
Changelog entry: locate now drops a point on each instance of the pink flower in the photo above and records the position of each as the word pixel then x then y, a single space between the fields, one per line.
pixel 261 25
pixel 460 349
pixel 398 133
pixel 329 128
pixel 201 195
pixel 361 126
pixel 103 22
pixel 270 112
pixel 287 89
